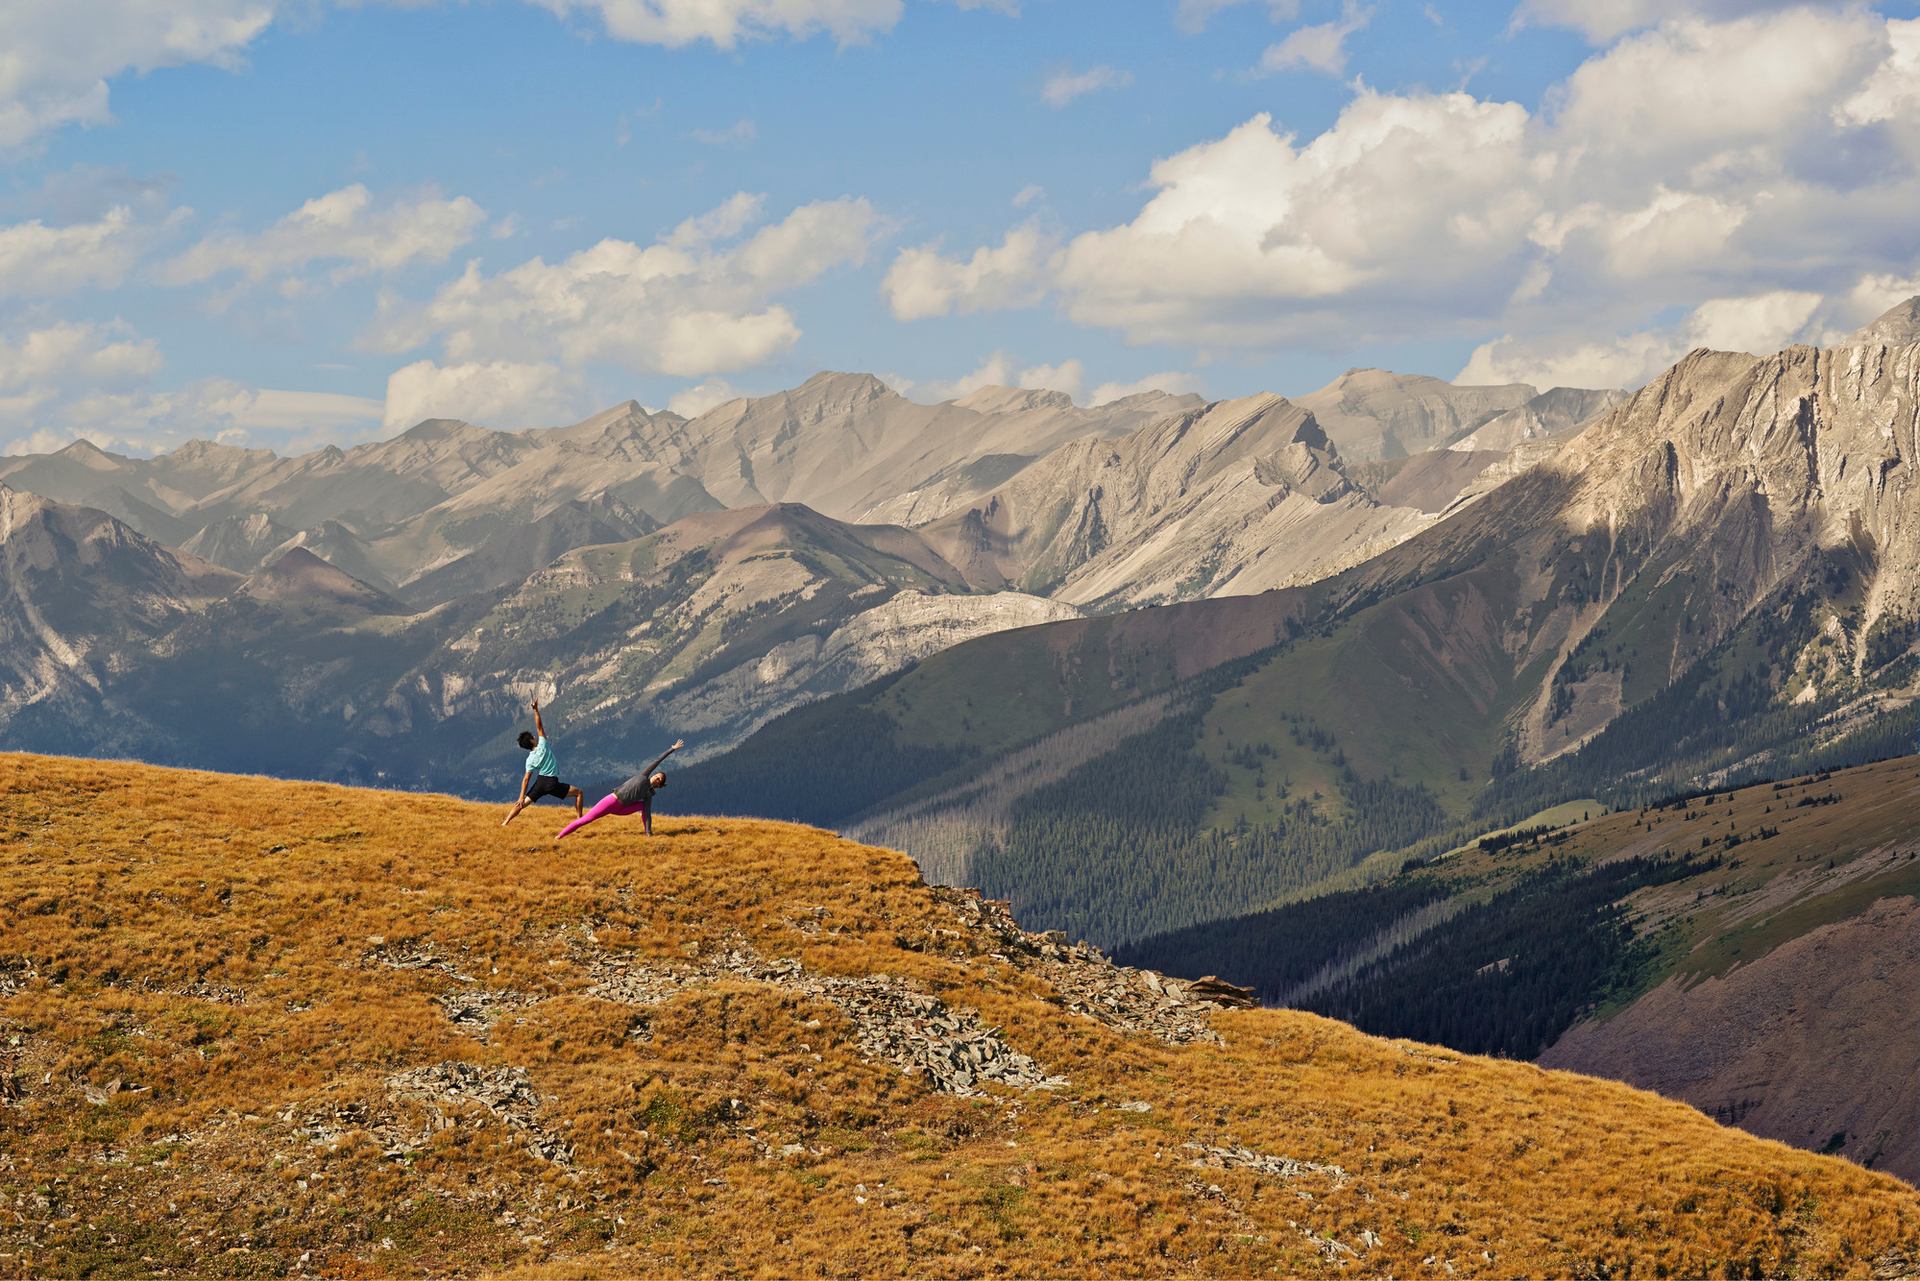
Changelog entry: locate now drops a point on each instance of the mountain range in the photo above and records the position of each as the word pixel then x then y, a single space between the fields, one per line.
pixel 652 575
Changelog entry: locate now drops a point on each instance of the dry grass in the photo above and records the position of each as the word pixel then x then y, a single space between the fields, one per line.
pixel 207 942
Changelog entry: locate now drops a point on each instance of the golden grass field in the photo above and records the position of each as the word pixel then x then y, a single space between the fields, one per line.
pixel 198 1030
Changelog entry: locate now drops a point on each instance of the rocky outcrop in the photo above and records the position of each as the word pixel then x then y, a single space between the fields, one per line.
pixel 1562 409
pixel 1898 326
pixel 893 1021
pixel 1139 1001
pixel 1372 413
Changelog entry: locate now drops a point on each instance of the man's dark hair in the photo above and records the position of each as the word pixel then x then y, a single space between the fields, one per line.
pixel 527 740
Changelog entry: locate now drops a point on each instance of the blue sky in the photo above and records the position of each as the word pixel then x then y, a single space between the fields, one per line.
pixel 1240 196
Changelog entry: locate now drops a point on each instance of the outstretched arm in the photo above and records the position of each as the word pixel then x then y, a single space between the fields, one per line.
pixel 677 745
pixel 539 727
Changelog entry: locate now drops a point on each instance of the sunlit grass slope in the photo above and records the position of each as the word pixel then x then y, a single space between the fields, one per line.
pixel 219 998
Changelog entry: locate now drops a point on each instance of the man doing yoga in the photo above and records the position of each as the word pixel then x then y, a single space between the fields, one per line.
pixel 542 776
pixel 635 796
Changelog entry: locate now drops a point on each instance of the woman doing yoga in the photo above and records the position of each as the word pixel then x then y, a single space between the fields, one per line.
pixel 635 796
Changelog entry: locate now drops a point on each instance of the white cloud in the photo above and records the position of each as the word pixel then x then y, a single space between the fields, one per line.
pixel 737 134
pixel 1027 195
pixel 1603 20
pixel 698 301
pixel 1068 376
pixel 495 393
pixel 1758 323
pixel 999 370
pixel 725 23
pixel 44 365
pixel 346 228
pixel 1172 380
pixel 1653 180
pixel 68 380
pixel 1320 47
pixel 1064 86
pixel 1892 92
pixel 923 283
pixel 57 55
pixel 701 397
pixel 38 259
pixel 1191 16
pixel 1243 231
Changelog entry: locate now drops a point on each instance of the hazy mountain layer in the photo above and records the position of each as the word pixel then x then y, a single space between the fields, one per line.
pixel 1371 413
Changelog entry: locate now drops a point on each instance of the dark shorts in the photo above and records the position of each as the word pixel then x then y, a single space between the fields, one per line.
pixel 545 785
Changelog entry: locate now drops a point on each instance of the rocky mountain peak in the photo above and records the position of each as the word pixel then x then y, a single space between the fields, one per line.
pixel 88 454
pixel 1013 400
pixel 299 576
pixel 839 388
pixel 438 429
pixel 199 451
pixel 1898 326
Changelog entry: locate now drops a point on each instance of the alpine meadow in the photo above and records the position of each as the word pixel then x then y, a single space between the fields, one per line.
pixel 959 638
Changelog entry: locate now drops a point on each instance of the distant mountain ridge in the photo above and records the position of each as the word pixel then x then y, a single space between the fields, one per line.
pixel 1030 510
pixel 1716 573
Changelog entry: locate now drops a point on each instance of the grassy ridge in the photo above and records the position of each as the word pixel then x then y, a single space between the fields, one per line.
pixel 209 984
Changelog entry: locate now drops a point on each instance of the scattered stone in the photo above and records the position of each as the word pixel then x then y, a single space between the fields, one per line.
pixel 1174 1010
pixel 411 954
pixel 894 1022
pixel 15 973
pixel 1241 1158
pixel 475 1009
pixel 1135 1105
pixel 505 1092
pixel 1222 993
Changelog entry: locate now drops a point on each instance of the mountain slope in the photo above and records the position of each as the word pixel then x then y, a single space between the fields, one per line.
pixel 364 1032
pixel 80 588
pixel 239 543
pixel 1232 498
pixel 298 579
pixel 1715 575
pixel 710 626
pixel 1561 409
pixel 1749 951
pixel 1371 413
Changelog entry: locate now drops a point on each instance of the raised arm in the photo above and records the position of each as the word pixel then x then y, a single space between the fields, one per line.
pixel 677 745
pixel 539 727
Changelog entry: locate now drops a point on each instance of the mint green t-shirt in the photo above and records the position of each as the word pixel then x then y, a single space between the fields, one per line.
pixel 540 761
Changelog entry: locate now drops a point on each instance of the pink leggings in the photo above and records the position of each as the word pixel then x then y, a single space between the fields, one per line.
pixel 608 804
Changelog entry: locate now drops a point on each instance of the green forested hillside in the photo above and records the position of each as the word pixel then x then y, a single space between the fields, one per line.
pixel 1740 948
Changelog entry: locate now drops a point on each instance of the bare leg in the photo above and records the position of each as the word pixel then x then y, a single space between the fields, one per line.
pixel 579 799
pixel 515 812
